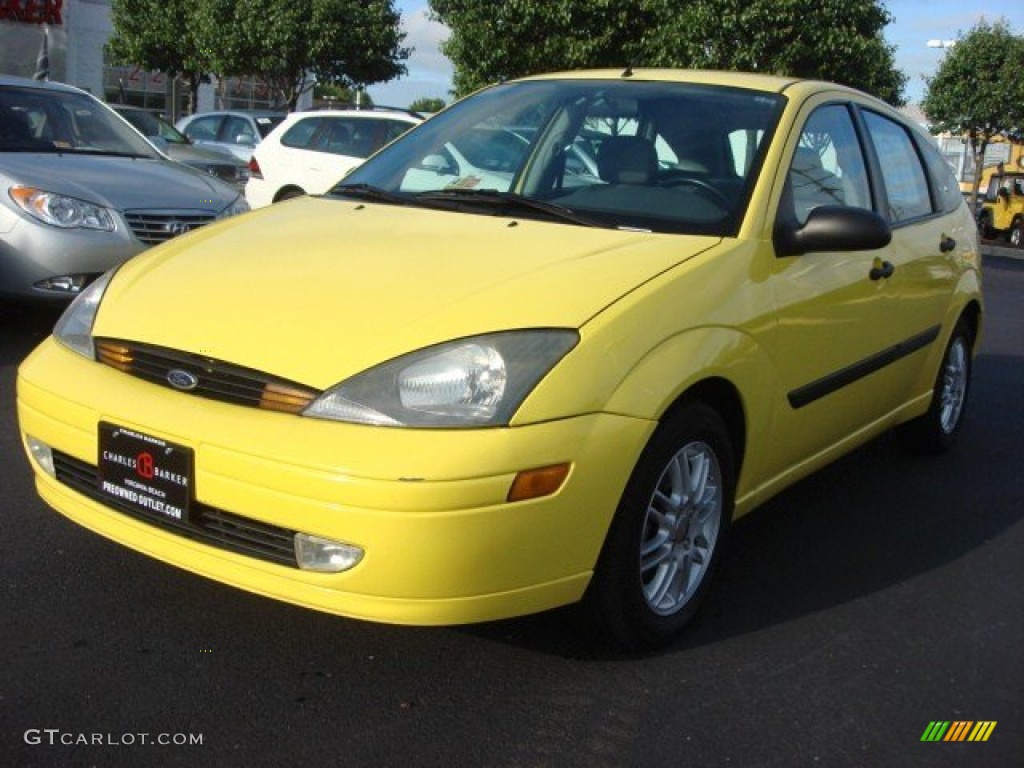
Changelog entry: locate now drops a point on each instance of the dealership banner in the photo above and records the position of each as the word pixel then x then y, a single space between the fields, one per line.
pixel 33 39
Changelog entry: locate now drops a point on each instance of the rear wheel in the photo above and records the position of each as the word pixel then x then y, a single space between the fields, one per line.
pixel 666 539
pixel 1017 234
pixel 936 430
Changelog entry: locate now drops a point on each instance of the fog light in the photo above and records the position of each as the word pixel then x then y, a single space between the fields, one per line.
pixel 42 453
pixel 316 554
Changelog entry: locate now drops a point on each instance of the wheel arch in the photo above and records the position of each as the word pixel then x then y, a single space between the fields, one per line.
pixel 971 314
pixel 724 397
pixel 723 367
pixel 288 191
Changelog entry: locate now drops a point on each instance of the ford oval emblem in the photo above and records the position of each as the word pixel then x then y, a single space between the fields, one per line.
pixel 182 380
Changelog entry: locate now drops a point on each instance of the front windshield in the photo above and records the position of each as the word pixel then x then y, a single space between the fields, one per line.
pixel 658 156
pixel 153 126
pixel 41 120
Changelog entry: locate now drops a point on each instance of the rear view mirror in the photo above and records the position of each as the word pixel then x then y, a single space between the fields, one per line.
pixel 435 163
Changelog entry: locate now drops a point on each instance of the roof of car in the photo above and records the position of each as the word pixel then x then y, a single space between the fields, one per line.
pixel 28 82
pixel 711 77
pixel 400 114
pixel 249 112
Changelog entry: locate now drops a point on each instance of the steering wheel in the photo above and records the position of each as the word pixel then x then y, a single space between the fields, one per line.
pixel 675 180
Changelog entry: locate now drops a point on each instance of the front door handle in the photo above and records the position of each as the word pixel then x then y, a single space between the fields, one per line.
pixel 947 244
pixel 881 270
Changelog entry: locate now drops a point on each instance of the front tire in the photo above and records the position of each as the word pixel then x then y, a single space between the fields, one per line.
pixel 936 430
pixel 985 226
pixel 666 538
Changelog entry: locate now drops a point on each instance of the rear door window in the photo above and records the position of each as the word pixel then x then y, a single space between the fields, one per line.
pixel 300 134
pixel 906 183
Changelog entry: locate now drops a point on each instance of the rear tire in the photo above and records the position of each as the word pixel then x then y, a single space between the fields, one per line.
pixel 1017 234
pixel 936 430
pixel 666 539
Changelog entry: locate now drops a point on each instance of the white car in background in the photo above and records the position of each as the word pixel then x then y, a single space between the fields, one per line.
pixel 310 152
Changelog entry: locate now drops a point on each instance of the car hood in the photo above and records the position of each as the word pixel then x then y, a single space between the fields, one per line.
pixel 316 290
pixel 122 183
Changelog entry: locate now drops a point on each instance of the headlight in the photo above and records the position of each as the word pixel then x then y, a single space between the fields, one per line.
pixel 74 329
pixel 239 206
pixel 472 382
pixel 61 210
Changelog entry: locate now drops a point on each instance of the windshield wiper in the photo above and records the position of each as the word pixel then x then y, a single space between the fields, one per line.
pixel 508 201
pixel 369 192
pixel 99 152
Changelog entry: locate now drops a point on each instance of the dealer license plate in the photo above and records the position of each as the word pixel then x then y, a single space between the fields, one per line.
pixel 146 473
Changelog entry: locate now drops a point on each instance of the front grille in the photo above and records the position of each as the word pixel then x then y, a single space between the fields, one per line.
pixel 154 227
pixel 206 524
pixel 212 378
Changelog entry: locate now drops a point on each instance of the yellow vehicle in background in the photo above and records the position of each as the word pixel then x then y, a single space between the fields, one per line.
pixel 1002 209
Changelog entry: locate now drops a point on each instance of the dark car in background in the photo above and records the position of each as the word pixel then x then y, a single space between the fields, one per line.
pixel 177 146
pixel 81 191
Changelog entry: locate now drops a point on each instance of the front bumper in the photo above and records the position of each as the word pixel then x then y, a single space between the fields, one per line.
pixel 442 545
pixel 32 252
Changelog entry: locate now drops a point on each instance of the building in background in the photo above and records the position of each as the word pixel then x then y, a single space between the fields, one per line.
pixel 73 34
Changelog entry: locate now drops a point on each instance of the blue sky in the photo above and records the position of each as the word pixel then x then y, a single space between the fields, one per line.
pixel 915 23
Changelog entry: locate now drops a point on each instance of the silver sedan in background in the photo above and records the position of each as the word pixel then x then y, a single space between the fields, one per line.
pixel 80 191
pixel 177 146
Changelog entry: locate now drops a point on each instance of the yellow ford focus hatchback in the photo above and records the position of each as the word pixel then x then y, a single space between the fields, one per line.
pixel 544 348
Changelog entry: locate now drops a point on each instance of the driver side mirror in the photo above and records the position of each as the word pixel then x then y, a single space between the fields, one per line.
pixel 832 228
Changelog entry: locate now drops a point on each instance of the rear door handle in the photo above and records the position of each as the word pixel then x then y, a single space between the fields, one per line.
pixel 947 244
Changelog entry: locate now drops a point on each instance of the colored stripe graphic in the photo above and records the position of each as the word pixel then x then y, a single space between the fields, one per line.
pixel 958 730
pixel 982 730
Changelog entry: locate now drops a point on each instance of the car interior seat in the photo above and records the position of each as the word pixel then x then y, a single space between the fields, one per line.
pixel 339 139
pixel 15 129
pixel 627 160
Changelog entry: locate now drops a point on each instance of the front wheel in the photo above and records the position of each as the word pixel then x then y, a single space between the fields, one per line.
pixel 668 532
pixel 936 430
pixel 985 225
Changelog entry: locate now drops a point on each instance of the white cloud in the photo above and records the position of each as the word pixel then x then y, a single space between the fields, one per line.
pixel 430 72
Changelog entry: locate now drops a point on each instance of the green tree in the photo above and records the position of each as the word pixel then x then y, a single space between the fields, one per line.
pixel 428 105
pixel 292 45
pixel 978 90
pixel 163 36
pixel 839 40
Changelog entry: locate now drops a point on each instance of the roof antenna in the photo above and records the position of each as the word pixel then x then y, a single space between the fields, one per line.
pixel 628 71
